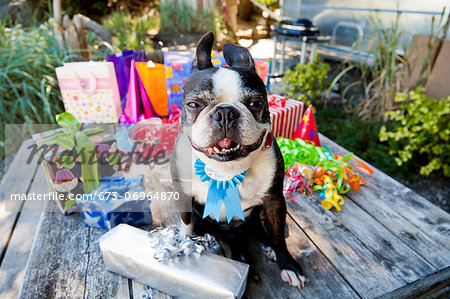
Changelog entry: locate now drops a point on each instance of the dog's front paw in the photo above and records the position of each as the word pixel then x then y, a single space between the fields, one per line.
pixel 291 272
pixel 293 278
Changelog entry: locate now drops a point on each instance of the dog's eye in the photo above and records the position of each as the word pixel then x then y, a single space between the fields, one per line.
pixel 256 104
pixel 193 105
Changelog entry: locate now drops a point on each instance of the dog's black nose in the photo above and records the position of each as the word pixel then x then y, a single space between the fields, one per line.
pixel 225 116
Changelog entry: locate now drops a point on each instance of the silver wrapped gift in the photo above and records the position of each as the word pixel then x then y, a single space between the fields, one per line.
pixel 127 251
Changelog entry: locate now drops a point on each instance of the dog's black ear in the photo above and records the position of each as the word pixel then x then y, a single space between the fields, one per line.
pixel 238 56
pixel 204 48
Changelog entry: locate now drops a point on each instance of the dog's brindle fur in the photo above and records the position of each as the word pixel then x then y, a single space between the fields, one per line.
pixel 266 220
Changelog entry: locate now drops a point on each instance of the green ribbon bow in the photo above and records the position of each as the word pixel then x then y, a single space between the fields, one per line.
pixel 72 137
pixel 299 151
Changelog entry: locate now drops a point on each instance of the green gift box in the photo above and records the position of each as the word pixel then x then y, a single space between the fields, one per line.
pixel 75 158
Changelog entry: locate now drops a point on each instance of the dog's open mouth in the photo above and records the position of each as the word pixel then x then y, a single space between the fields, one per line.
pixel 227 149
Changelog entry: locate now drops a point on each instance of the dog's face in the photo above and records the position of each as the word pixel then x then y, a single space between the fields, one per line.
pixel 225 110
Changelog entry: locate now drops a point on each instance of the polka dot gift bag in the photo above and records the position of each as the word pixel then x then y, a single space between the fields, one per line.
pixel 90 91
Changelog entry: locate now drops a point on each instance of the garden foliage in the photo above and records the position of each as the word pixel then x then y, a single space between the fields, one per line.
pixel 307 82
pixel 380 76
pixel 360 138
pixel 384 71
pixel 129 30
pixel 28 86
pixel 422 131
pixel 178 15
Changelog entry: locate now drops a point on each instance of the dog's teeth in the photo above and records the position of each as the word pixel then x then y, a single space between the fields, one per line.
pixel 226 150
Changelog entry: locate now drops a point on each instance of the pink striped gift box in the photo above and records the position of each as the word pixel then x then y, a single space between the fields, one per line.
pixel 285 115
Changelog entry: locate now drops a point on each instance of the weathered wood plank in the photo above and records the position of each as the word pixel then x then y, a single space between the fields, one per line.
pixel 424 227
pixel 57 264
pixel 142 291
pixel 437 254
pixel 423 288
pixel 66 260
pixel 100 283
pixel 12 269
pixel 264 280
pixel 365 253
pixel 323 281
pixel 16 181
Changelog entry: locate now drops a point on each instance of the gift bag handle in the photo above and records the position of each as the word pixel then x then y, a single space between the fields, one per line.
pixel 92 83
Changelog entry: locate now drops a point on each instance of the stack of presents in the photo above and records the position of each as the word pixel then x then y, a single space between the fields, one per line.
pixel 84 161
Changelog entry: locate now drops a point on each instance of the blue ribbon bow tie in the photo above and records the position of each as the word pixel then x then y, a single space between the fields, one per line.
pixel 222 188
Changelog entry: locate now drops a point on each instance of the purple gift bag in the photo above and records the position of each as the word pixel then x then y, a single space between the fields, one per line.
pixel 138 106
pixel 122 62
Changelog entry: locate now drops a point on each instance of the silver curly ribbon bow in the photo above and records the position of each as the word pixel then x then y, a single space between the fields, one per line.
pixel 171 244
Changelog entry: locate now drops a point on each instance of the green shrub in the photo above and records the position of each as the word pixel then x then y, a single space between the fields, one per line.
pixel 421 133
pixel 129 31
pixel 178 15
pixel 360 138
pixel 306 82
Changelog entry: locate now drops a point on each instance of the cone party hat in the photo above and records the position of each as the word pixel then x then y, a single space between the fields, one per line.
pixel 307 130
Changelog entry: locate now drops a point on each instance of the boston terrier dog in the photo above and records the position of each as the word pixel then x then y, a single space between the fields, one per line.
pixel 225 123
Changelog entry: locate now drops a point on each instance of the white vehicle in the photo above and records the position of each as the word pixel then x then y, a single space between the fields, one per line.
pixel 349 21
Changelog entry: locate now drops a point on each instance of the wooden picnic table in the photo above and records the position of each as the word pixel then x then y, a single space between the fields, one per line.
pixel 387 242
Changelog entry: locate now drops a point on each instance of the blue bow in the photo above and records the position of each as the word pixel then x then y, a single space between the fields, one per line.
pixel 221 190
